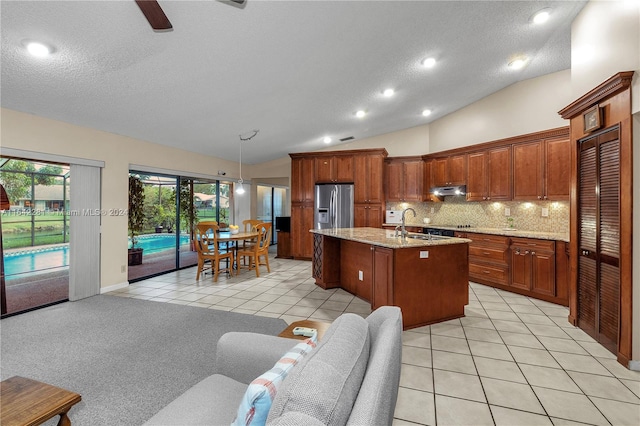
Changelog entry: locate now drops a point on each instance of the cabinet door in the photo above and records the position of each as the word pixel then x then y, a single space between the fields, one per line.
pixel 477 177
pixel 360 215
pixel 528 171
pixel 324 169
pixel 302 179
pixel 301 223
pixel 344 169
pixel 520 268
pixel 361 175
pixel 375 176
pixel 499 182
pixel 382 277
pixel 374 219
pixel 558 169
pixel 544 272
pixel 394 181
pixel 413 179
pixel 457 169
pixel 439 172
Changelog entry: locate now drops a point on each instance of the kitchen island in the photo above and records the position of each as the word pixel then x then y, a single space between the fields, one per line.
pixel 427 279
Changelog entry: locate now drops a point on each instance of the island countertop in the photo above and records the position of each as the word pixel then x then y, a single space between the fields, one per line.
pixel 385 238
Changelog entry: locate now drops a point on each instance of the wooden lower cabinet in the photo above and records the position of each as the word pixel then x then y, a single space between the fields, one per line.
pixel 367 215
pixel 527 266
pixel 382 277
pixel 533 265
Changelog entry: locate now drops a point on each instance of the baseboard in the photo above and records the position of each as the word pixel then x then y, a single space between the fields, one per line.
pixel 634 365
pixel 114 287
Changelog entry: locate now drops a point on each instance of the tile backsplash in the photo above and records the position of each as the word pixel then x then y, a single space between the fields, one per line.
pixel 455 210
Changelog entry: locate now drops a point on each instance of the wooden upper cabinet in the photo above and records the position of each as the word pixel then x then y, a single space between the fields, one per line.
pixel 302 179
pixel 405 179
pixel 542 170
pixel 368 182
pixel 558 169
pixel 489 175
pixel 334 168
pixel 450 170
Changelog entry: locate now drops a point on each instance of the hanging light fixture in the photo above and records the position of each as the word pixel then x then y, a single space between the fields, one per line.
pixel 246 137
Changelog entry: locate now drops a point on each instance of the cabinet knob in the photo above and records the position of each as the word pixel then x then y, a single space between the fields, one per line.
pixel 585 252
pixel 545 197
pixel 539 197
pixel 526 252
pixel 533 253
pixel 518 251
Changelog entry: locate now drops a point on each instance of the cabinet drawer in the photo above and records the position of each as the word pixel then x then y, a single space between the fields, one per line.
pixel 495 274
pixel 528 243
pixel 488 239
pixel 498 255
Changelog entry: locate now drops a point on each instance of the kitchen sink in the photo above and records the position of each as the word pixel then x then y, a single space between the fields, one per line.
pixel 428 237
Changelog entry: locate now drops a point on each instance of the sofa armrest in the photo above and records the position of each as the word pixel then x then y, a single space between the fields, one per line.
pixel 244 356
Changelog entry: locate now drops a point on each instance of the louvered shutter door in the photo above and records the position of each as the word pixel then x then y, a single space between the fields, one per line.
pixel 588 216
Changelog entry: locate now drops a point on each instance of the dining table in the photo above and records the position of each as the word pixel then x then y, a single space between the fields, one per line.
pixel 227 237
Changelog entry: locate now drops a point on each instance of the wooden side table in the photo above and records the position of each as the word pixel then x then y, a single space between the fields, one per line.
pixel 26 402
pixel 318 325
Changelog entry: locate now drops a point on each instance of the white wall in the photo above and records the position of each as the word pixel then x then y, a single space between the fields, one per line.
pixel 411 141
pixel 525 107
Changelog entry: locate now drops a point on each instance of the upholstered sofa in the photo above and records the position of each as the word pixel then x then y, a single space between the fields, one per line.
pixel 351 377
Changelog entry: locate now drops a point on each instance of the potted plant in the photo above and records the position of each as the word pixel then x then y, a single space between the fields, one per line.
pixel 136 218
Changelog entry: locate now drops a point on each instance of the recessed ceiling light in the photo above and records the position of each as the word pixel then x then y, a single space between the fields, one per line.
pixel 429 62
pixel 426 112
pixel 326 139
pixel 542 16
pixel 360 114
pixel 37 49
pixel 388 92
pixel 517 64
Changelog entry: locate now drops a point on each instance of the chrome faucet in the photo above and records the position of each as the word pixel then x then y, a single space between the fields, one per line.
pixel 404 232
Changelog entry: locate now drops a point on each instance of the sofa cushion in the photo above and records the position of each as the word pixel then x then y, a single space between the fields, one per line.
pixel 256 401
pixel 325 384
pixel 212 401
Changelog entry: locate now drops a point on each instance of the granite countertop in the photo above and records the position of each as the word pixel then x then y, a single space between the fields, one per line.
pixel 498 231
pixel 386 238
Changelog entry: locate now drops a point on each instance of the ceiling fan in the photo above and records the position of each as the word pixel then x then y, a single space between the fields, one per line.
pixel 155 15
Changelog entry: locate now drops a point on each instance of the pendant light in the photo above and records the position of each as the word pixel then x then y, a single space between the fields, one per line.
pixel 248 136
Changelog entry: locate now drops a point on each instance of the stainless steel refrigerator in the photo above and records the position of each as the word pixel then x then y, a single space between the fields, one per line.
pixel 333 206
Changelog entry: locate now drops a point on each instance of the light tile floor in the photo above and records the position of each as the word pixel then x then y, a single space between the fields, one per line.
pixel 512 360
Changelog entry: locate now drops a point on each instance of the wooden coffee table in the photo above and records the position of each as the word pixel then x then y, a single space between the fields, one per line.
pixel 27 402
pixel 318 325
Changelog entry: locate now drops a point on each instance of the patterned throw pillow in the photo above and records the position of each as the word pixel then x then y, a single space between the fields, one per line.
pixel 256 402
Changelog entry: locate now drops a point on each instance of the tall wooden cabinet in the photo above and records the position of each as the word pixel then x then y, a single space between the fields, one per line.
pixel 600 300
pixel 368 189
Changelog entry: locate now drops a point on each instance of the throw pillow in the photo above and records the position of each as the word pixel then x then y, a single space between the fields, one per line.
pixel 256 402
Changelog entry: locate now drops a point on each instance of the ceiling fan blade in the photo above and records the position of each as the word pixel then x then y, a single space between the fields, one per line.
pixel 154 14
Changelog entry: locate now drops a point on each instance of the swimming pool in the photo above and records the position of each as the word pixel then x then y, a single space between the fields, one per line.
pixel 155 243
pixel 37 260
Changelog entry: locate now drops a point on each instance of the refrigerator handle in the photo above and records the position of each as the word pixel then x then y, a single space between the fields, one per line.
pixel 331 209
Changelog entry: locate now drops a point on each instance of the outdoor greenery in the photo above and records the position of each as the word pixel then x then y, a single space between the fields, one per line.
pixel 136 208
pixel 18 185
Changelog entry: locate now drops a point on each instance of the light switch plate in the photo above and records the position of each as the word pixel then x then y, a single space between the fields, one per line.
pixel 507 211
pixel 424 254
pixel 360 276
pixel 545 212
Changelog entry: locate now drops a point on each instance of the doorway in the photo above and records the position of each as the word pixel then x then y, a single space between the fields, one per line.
pixel 270 204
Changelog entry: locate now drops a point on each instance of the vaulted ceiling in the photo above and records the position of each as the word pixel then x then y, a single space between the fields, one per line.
pixel 296 70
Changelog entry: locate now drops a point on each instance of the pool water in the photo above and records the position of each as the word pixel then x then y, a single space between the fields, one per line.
pixel 156 243
pixel 39 260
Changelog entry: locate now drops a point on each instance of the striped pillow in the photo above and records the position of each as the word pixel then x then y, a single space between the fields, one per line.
pixel 256 402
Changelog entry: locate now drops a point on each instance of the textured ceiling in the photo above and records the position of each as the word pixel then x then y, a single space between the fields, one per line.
pixel 295 70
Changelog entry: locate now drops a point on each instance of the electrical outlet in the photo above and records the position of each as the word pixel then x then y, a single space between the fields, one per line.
pixel 123 269
pixel 507 211
pixel 360 276
pixel 424 254
pixel 545 212
pixel 433 210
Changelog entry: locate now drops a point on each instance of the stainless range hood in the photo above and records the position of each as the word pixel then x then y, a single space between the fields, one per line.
pixel 442 191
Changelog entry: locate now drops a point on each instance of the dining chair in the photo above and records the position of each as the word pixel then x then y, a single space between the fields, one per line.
pixel 249 225
pixel 258 254
pixel 209 252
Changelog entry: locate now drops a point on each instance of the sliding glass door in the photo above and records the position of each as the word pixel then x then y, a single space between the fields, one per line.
pixel 173 205
pixel 270 205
